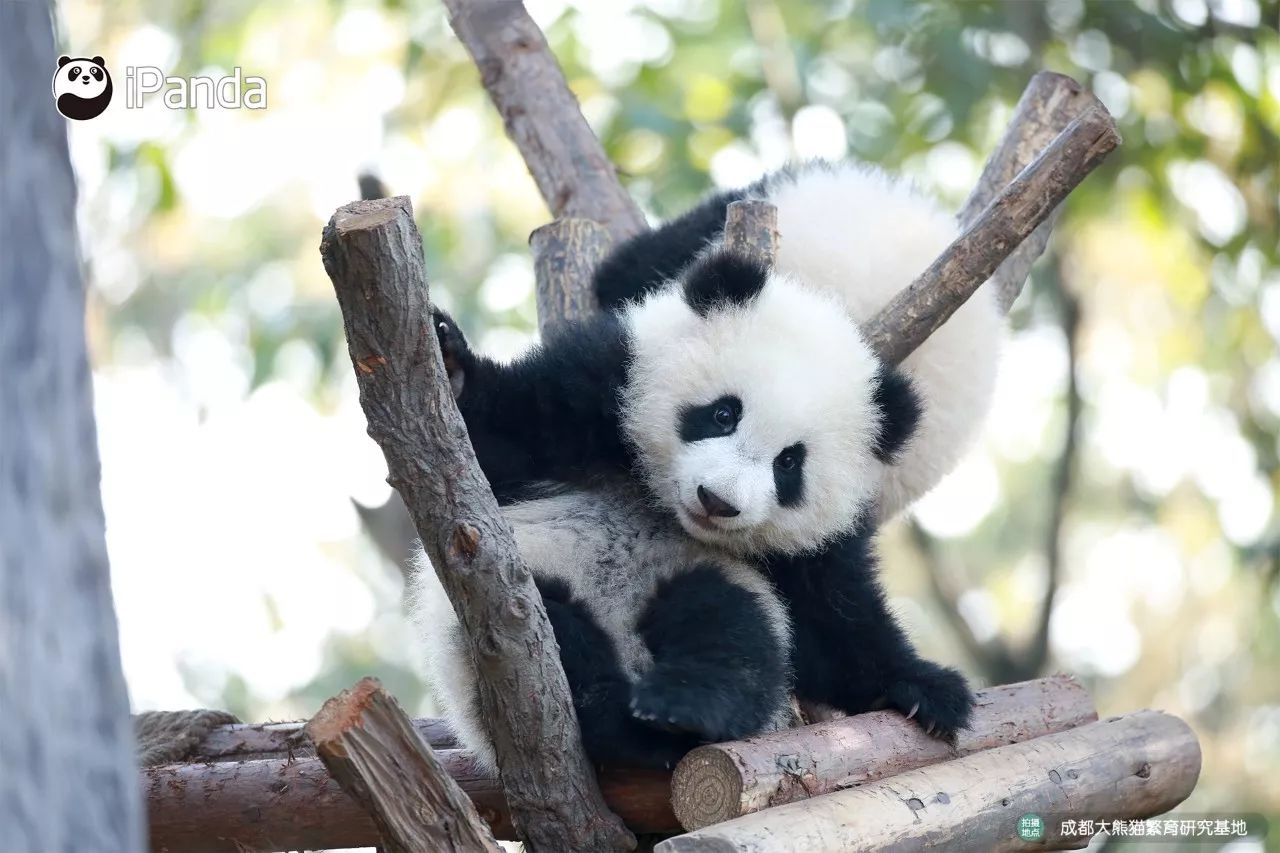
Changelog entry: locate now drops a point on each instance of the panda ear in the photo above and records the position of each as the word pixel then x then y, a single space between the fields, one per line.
pixel 722 279
pixel 98 60
pixel 63 60
pixel 900 410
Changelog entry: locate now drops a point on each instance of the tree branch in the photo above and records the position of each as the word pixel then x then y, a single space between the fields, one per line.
pixel 566 253
pixel 920 309
pixel 542 116
pixel 373 254
pixel 1047 106
pixel 371 749
pixel 751 229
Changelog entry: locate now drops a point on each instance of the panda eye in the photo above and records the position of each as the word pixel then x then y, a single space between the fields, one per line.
pixel 74 72
pixel 724 416
pixel 97 74
pixel 786 461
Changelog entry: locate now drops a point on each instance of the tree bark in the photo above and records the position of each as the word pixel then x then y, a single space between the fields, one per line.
pixel 566 253
pixel 373 254
pixel 66 747
pixel 920 309
pixel 294 804
pixel 542 116
pixel 723 781
pixel 253 741
pixel 751 230
pixel 1048 105
pixel 371 749
pixel 1128 767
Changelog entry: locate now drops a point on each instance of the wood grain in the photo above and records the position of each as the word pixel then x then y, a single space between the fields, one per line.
pixel 373 254
pixel 1135 766
pixel 723 781
pixel 566 253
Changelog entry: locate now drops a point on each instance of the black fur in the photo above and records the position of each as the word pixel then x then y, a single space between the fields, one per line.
pixel 900 409
pixel 722 280
pixel 788 482
pixel 601 691
pixel 716 671
pixel 551 415
pixel 647 260
pixel 849 652
pixel 709 420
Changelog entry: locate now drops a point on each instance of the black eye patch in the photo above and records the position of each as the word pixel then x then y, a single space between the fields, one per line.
pixel 74 72
pixel 788 474
pixel 718 418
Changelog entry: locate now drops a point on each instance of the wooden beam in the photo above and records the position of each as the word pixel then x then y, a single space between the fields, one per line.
pixel 1049 103
pixel 1134 766
pixel 294 804
pixel 371 749
pixel 246 741
pixel 542 116
pixel 920 309
pixel 723 781
pixel 373 254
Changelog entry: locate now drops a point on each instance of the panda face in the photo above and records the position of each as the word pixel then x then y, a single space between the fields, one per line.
pixel 752 405
pixel 83 78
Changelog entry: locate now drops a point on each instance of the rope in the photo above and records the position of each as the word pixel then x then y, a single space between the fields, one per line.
pixel 166 737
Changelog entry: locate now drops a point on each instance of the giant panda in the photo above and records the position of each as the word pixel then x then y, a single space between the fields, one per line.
pixel 695 480
pixel 863 234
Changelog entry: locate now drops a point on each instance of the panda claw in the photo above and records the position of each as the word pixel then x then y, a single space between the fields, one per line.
pixel 914 709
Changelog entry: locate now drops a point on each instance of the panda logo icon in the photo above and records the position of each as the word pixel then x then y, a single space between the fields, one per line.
pixel 81 87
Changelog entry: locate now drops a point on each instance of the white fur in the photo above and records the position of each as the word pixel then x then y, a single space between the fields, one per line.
pixel 803 373
pixel 612 551
pixel 853 230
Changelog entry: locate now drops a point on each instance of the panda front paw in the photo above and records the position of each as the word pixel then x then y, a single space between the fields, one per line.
pixel 675 705
pixel 936 697
pixel 454 349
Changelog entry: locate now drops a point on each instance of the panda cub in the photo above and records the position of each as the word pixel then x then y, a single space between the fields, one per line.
pixel 685 603
pixel 693 481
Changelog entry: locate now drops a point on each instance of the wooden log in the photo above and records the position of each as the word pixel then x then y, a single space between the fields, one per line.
pixel 246 741
pixel 723 781
pixel 751 229
pixel 1134 766
pixel 922 307
pixel 371 749
pixel 541 115
pixel 566 253
pixel 373 254
pixel 294 804
pixel 1049 103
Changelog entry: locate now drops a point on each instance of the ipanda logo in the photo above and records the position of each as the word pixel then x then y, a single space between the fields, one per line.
pixel 81 87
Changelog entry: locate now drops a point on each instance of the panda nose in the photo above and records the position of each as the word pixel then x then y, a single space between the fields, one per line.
pixel 84 79
pixel 716 506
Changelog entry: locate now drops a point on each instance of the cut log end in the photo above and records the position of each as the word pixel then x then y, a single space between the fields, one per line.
pixel 706 788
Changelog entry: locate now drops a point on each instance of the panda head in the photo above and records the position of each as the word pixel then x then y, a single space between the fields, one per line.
pixel 81 87
pixel 758 414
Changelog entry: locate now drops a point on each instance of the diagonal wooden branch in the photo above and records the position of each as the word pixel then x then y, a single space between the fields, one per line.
pixel 370 747
pixel 373 254
pixel 920 309
pixel 542 116
pixel 1049 103
pixel 751 229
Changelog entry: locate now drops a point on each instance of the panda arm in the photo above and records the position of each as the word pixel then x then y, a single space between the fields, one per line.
pixel 549 416
pixel 647 260
pixel 851 653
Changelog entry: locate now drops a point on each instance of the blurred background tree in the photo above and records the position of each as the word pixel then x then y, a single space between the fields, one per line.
pixel 1130 464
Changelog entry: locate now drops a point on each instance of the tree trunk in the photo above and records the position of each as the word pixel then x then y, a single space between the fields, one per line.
pixel 67 777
